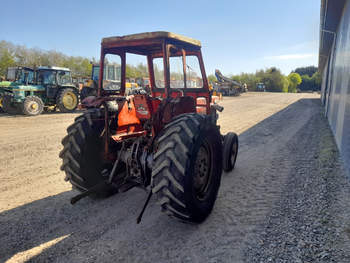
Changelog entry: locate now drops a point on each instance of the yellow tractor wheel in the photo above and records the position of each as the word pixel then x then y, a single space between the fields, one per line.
pixel 32 106
pixel 67 100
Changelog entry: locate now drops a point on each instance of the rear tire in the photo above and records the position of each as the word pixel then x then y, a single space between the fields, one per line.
pixel 32 106
pixel 230 151
pixel 82 154
pixel 67 100
pixel 187 167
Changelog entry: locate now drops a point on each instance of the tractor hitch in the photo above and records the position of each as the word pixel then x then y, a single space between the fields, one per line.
pixel 93 190
pixel 138 220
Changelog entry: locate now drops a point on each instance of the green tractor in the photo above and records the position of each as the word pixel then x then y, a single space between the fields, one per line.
pixel 50 86
pixel 15 76
pixel 18 75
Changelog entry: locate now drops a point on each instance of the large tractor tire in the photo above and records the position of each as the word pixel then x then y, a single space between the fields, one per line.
pixel 8 107
pixel 67 100
pixel 32 106
pixel 230 151
pixel 82 154
pixel 187 167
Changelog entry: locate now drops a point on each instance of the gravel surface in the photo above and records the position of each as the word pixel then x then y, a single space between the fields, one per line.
pixel 286 200
pixel 307 223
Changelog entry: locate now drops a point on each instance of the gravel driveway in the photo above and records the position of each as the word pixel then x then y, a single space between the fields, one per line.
pixel 286 201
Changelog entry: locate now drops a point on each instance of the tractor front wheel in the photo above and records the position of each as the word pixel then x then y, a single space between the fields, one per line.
pixel 67 100
pixel 32 106
pixel 187 167
pixel 230 151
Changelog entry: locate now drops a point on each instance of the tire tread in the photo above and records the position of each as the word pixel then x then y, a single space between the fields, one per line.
pixel 170 162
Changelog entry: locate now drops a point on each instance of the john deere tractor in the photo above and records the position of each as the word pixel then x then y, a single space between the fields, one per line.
pixel 15 76
pixel 166 142
pixel 51 86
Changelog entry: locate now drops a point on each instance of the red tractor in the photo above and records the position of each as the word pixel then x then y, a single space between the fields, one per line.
pixel 167 142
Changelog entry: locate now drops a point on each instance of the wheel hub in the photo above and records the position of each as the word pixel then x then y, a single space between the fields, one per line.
pixel 69 100
pixel 33 107
pixel 202 172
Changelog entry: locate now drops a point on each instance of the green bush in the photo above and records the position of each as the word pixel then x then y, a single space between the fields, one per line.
pixel 294 81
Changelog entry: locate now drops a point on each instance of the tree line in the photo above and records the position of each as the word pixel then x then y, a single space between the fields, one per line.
pixel 17 55
pixel 303 79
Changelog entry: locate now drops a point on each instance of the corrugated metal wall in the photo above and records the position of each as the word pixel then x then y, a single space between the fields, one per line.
pixel 336 86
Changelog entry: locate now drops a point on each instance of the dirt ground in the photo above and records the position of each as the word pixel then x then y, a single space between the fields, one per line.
pixel 38 224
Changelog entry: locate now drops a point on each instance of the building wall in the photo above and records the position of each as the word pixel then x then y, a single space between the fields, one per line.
pixel 336 86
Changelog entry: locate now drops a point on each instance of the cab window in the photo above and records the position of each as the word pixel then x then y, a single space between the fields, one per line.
pixel 176 73
pixel 193 73
pixel 112 72
pixel 158 69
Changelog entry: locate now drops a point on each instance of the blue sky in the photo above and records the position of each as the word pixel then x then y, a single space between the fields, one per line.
pixel 237 35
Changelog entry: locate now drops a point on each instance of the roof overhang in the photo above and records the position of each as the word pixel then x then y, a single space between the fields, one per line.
pixel 20 67
pixel 151 35
pixel 331 13
pixel 53 68
pixel 148 42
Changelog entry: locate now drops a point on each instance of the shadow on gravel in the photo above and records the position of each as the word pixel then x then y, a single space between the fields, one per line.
pixel 23 227
pixel 36 223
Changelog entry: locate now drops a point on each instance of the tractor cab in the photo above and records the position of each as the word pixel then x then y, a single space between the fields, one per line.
pixel 110 76
pixel 260 87
pixel 59 87
pixel 95 72
pixel 15 78
pixel 18 76
pixel 175 65
pixel 54 76
pixel 110 72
